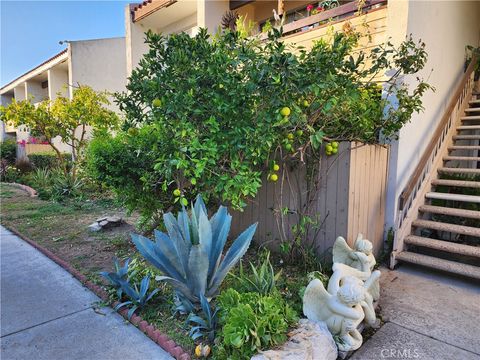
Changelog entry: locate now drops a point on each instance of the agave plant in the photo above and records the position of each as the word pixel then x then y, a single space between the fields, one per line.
pixel 191 255
pixel 138 297
pixel 116 278
pixel 203 326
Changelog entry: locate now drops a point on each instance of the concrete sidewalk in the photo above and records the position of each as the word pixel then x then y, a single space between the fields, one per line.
pixel 429 316
pixel 46 314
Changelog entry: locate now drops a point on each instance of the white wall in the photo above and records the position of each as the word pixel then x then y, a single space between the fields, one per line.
pixel 210 12
pixel 134 41
pixel 100 64
pixel 57 82
pixel 35 90
pixel 20 92
pixel 446 27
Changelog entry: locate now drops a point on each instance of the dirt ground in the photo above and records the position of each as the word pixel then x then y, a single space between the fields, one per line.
pixel 63 228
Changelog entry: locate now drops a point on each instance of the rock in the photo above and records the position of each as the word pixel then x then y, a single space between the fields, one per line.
pixel 94 227
pixel 103 223
pixel 310 341
pixel 102 218
pixel 114 219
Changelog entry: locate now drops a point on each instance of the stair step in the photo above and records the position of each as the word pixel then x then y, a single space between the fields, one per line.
pixel 463 147
pixel 441 245
pixel 473 102
pixel 453 228
pixel 468 127
pixel 458 170
pixel 457 183
pixel 461 158
pixel 440 264
pixel 470 117
pixel 466 137
pixel 442 210
pixel 472 110
pixel 453 197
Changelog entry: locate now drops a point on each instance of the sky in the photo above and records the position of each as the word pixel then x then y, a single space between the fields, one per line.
pixel 30 30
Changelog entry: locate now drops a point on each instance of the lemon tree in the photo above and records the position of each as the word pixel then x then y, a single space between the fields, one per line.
pixel 219 111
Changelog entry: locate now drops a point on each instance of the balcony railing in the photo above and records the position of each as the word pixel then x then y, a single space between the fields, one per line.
pixel 335 14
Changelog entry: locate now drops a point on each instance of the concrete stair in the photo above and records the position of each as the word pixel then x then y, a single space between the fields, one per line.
pixel 453 267
pixel 455 205
pixel 446 246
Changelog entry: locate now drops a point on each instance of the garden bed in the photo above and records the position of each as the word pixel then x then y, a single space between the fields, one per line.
pixel 62 229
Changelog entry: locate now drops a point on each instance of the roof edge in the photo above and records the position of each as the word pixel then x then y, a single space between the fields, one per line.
pixel 54 57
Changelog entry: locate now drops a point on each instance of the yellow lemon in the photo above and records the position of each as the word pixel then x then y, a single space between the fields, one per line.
pixel 177 192
pixel 285 111
pixel 276 167
pixel 157 102
pixel 273 177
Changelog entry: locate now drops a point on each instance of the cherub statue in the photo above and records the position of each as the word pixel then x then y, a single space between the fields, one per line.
pixel 342 312
pixel 360 258
pixel 370 281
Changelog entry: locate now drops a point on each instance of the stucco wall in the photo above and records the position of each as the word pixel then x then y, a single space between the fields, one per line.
pixel 57 82
pixel 100 64
pixel 35 90
pixel 446 27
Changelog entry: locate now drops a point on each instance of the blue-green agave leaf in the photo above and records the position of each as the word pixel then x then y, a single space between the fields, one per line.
pixel 131 311
pixel 144 285
pixel 200 207
pixel 151 294
pixel 206 307
pixel 180 286
pixel 150 252
pixel 119 306
pixel 220 222
pixel 233 255
pixel 205 235
pixel 177 239
pixel 171 251
pixel 198 269
pixel 184 225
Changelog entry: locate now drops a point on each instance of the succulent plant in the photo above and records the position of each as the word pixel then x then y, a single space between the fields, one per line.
pixel 191 255
pixel 203 326
pixel 138 297
pixel 115 278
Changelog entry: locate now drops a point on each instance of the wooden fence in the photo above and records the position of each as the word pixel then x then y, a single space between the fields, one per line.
pixel 24 150
pixel 350 199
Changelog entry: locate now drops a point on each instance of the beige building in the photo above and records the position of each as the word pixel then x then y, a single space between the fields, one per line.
pixel 98 63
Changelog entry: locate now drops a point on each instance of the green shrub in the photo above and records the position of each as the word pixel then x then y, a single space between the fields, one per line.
pixel 47 160
pixel 251 322
pixel 125 164
pixel 9 173
pixel 8 150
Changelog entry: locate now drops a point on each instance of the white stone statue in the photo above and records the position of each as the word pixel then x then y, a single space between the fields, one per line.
pixel 342 312
pixel 360 257
pixel 370 281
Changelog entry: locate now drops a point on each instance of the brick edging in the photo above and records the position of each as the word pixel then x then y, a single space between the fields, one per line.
pixel 31 191
pixel 148 329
